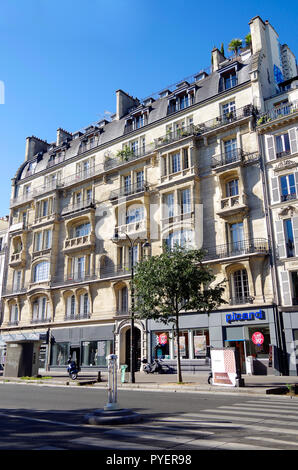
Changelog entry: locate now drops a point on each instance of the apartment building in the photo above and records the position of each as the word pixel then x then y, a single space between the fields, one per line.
pixel 277 129
pixel 4 223
pixel 181 166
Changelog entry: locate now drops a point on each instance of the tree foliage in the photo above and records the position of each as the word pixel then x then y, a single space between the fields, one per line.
pixel 173 283
pixel 235 45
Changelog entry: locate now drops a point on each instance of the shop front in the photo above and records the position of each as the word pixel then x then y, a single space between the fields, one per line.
pixel 88 346
pixel 252 332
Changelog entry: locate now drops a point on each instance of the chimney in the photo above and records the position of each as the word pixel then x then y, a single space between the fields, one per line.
pixel 33 146
pixel 124 102
pixel 217 58
pixel 257 30
pixel 62 135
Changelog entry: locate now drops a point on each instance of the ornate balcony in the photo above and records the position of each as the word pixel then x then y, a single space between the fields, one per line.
pixel 130 190
pixel 253 246
pixel 233 204
pixel 79 243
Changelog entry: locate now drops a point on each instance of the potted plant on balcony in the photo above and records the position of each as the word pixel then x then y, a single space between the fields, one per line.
pixel 125 153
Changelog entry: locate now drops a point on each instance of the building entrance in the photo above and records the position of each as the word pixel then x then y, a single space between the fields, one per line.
pixel 137 358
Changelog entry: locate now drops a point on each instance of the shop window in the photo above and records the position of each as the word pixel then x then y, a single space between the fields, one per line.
pixel 94 353
pixel 183 345
pixel 60 354
pixel 258 351
pixel 201 343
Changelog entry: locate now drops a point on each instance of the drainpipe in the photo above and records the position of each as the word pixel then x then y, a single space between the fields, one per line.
pixel 278 321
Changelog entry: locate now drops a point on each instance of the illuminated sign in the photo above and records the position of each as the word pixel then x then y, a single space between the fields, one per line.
pixel 246 316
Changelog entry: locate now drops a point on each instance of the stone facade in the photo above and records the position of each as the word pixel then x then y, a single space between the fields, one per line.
pixel 183 166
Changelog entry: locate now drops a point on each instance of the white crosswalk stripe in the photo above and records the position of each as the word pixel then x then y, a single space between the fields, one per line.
pixel 251 425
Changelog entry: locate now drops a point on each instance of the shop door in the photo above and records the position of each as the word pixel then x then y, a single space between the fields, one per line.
pixel 137 359
pixel 239 346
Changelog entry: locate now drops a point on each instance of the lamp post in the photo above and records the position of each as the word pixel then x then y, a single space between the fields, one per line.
pixel 133 243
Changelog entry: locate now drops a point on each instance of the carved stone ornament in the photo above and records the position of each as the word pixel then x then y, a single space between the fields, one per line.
pixel 289 211
pixel 285 165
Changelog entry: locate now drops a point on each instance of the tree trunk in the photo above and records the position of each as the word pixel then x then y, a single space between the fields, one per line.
pixel 179 373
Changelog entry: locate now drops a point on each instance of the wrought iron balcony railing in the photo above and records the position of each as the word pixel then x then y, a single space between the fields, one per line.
pixel 243 247
pixel 278 112
pixel 225 158
pixel 129 190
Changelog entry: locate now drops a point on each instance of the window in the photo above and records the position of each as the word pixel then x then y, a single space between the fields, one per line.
pixel 288 187
pixel 229 110
pixel 134 214
pixel 183 238
pixel 38 241
pixel 84 305
pixel 123 300
pixel 185 202
pixel 236 236
pixel 239 287
pixel 59 354
pixel 17 276
pixel 41 271
pixel 140 180
pixel 230 150
pixel 232 188
pixel 169 205
pixel 47 239
pixel 82 229
pixel 94 353
pixel 294 275
pixel 127 184
pixel 176 162
pixel 289 238
pixel 71 306
pixel 40 309
pixel 14 314
pixel 282 143
pixel 228 80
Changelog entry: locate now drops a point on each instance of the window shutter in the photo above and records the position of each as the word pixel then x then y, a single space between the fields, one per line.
pixel 296 182
pixel 295 233
pixel 285 287
pixel 275 189
pixel 280 238
pixel 293 140
pixel 270 148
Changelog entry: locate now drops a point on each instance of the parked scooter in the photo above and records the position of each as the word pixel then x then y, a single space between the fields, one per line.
pixel 156 367
pixel 72 369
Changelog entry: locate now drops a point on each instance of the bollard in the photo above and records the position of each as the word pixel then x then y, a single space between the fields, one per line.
pixel 112 383
pixel 123 372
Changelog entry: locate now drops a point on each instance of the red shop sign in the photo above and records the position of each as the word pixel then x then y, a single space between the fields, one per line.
pixel 163 339
pixel 257 338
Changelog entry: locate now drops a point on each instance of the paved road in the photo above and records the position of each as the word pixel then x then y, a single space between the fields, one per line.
pixel 51 418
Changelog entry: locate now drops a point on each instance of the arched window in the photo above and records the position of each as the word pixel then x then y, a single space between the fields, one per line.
pixel 41 271
pixel 40 309
pixel 239 287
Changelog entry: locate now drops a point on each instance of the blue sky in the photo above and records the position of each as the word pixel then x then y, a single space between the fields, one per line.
pixel 62 61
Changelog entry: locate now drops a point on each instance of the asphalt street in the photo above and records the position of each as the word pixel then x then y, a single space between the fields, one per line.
pixel 36 417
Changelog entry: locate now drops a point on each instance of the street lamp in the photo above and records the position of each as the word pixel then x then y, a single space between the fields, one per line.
pixel 133 243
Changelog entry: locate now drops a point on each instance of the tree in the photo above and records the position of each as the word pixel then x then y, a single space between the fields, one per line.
pixel 234 45
pixel 222 49
pixel 248 39
pixel 173 283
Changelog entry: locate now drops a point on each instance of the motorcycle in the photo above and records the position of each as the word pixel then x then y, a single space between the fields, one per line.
pixel 72 370
pixel 156 367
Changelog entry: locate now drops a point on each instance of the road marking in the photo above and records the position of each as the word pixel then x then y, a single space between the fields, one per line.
pixel 274 441
pixel 262 407
pixel 112 444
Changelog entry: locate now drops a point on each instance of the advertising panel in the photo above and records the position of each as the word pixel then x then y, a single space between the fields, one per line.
pixel 223 365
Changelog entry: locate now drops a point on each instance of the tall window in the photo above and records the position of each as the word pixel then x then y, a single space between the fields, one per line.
pixel 232 188
pixel 288 188
pixel 282 143
pixel 176 162
pixel 185 202
pixel 230 150
pixel 169 205
pixel 183 238
pixel 17 276
pixel 14 314
pixel 239 286
pixel 41 271
pixel 82 229
pixel 229 109
pixel 84 304
pixel 236 236
pixel 134 214
pixel 71 306
pixel 140 180
pixel 289 237
pixel 40 309
pixel 123 300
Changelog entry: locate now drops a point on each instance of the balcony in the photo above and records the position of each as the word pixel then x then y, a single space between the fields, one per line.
pixel 127 155
pixel 129 190
pixel 231 205
pixel 241 300
pixel 138 229
pixel 78 206
pixel 178 134
pixel 119 270
pixel 17 259
pixel 253 246
pixel 227 158
pixel 77 316
pixel 19 200
pixel 79 243
pixel 287 111
pixel 228 119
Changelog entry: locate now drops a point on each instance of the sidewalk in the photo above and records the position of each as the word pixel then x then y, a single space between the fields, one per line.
pixel 254 384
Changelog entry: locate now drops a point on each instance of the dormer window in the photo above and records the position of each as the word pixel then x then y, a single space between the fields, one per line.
pixel 136 121
pixel 181 101
pixel 228 79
